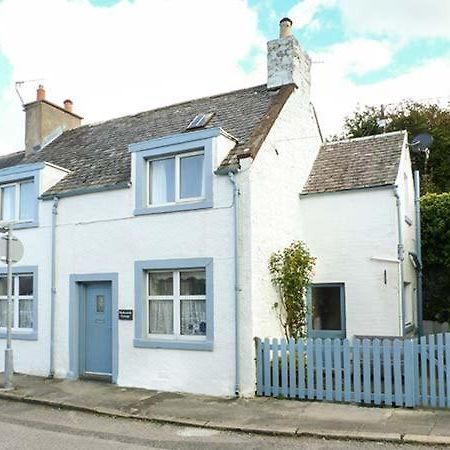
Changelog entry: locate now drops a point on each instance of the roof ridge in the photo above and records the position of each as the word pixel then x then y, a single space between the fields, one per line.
pixel 364 138
pixel 8 155
pixel 94 124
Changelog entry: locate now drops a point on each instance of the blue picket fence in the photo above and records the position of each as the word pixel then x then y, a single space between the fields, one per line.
pixel 372 371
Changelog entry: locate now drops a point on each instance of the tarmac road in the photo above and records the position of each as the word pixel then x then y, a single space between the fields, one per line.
pixel 27 426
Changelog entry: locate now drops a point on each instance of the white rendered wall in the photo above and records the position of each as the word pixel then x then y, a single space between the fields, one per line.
pixel 97 233
pixel 353 235
pixel 271 216
pixel 406 188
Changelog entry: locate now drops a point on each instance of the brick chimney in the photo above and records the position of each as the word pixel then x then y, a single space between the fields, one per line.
pixel 287 62
pixel 44 121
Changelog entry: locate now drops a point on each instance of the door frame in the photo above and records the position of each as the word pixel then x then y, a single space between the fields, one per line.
pixel 324 334
pixel 77 284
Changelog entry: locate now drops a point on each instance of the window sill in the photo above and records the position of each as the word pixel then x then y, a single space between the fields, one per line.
pixel 203 204
pixel 23 225
pixel 175 345
pixel 21 336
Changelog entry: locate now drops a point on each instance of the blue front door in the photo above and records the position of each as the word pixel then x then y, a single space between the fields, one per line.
pixel 98 329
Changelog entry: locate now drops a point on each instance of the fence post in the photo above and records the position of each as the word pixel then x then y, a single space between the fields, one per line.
pixel 259 367
pixel 409 373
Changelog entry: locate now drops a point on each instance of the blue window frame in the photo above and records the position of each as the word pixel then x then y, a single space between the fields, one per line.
pixel 326 310
pixel 174 173
pixel 19 192
pixel 25 303
pixel 174 304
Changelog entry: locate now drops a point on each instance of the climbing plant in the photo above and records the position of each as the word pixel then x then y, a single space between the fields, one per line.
pixel 291 272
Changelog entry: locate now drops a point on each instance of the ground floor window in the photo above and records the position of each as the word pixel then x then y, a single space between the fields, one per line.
pixel 177 302
pixel 326 310
pixel 24 310
pixel 174 303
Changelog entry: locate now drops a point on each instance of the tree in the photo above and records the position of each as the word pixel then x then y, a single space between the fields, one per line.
pixel 291 271
pixel 436 255
pixel 415 118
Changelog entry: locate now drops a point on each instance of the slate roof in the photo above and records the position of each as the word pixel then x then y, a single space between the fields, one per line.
pixel 356 163
pixel 97 155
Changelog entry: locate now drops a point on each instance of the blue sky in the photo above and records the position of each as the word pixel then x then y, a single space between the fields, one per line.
pixel 116 57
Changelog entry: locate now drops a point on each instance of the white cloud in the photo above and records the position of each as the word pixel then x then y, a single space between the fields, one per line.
pixel 402 19
pixel 395 19
pixel 123 59
pixel 304 12
pixel 336 96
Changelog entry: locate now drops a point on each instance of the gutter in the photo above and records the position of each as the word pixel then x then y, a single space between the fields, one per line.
pixel 401 258
pixel 419 272
pixel 53 288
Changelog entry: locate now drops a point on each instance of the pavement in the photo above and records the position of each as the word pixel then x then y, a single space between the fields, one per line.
pixel 260 415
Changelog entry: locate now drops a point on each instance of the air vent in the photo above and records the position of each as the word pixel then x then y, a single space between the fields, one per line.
pixel 200 121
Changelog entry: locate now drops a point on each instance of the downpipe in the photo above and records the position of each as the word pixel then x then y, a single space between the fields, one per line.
pixel 401 258
pixel 236 194
pixel 51 373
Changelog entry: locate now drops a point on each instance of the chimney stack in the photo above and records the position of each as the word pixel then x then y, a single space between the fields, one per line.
pixel 44 121
pixel 287 62
pixel 40 93
pixel 68 105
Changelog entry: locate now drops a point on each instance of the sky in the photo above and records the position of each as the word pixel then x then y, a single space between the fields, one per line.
pixel 119 57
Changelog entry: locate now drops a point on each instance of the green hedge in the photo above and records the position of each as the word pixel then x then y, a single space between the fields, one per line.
pixel 435 213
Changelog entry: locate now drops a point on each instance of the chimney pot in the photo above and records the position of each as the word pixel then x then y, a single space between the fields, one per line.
pixel 68 105
pixel 285 27
pixel 40 93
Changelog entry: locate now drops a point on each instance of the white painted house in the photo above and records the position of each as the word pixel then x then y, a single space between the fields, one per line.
pixel 147 237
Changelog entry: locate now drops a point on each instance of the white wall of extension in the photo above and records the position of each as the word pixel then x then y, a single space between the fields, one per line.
pixel 354 236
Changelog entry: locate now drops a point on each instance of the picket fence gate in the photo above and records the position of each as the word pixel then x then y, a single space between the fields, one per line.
pixel 395 372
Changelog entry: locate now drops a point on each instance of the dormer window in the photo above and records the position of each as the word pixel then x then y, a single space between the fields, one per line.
pixel 176 179
pixel 174 173
pixel 18 201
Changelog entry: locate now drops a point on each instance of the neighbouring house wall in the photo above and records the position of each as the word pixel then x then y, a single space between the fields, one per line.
pixel 353 235
pixel 271 216
pixel 33 356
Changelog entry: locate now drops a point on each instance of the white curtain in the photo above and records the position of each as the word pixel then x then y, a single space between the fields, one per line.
pixel 162 181
pixel 160 316
pixel 25 313
pixel 193 317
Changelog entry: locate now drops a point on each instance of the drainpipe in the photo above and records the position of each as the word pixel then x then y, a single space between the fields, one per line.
pixel 401 258
pixel 53 289
pixel 236 194
pixel 419 254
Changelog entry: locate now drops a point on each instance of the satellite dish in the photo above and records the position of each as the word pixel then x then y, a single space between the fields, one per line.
pixel 422 142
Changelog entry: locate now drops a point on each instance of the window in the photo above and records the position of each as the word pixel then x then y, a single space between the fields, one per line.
pixel 177 303
pixel 175 309
pixel 23 298
pixel 18 201
pixel 327 311
pixel 175 173
pixel 176 179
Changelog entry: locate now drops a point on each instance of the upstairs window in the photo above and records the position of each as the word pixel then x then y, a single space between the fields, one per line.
pixel 17 201
pixel 176 179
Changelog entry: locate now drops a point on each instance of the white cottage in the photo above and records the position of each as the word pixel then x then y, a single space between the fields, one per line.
pixel 147 237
